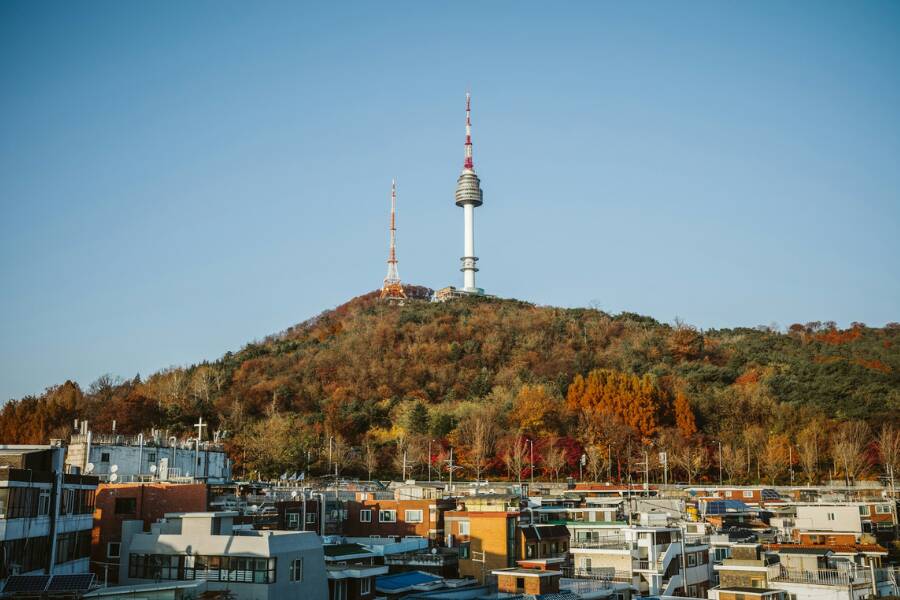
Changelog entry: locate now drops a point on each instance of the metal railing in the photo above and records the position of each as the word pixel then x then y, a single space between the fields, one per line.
pixel 599 574
pixel 615 543
pixel 823 576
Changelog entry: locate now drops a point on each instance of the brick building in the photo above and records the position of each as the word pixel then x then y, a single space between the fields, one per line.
pixel 149 502
pixel 397 518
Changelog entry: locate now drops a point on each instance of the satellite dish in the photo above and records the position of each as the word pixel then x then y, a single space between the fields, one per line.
pixel 113 478
pixel 89 468
pixel 153 468
pixel 294 494
pixel 114 468
pixel 433 551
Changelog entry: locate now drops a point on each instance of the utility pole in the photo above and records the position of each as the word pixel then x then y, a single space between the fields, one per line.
pixel 720 462
pixel 404 465
pixel 646 474
pixel 429 460
pixel 791 462
pixel 330 442
pixel 609 465
pixel 531 445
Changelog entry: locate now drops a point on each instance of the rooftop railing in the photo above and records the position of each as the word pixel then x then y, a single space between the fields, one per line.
pixel 838 577
pixel 599 574
pixel 610 543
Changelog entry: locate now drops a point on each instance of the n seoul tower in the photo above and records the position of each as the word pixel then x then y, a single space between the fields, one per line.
pixel 468 196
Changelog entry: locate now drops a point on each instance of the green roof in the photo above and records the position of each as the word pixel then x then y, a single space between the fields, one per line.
pixel 335 550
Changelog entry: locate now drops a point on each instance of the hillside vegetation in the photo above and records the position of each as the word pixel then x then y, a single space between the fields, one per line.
pixel 373 381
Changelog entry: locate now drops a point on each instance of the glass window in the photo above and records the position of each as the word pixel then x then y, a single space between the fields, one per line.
pixel 104 457
pixel 297 569
pixel 864 510
pixel 293 520
pixel 387 516
pixel 413 516
pixel 365 516
pixel 463 528
pixel 112 550
pixel 883 509
pixel 365 586
pixel 126 506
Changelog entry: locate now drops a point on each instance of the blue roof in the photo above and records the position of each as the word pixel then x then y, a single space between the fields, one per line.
pixel 720 507
pixel 400 581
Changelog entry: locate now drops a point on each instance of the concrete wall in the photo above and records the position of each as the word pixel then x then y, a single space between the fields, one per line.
pixel 816 518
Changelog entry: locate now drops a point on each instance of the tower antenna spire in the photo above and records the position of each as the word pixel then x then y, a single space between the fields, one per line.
pixel 392 289
pixel 468 163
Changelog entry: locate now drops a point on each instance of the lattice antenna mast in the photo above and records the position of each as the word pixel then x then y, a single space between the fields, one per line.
pixel 392 288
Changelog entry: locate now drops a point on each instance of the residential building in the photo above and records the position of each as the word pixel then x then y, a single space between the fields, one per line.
pixel 654 559
pixel 352 570
pixel 45 514
pixel 148 502
pixel 254 565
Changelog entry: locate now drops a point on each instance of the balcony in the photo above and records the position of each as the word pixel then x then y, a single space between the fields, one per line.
pixel 598 574
pixel 611 543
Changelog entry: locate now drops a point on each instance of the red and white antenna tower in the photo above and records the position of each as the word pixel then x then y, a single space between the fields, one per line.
pixel 392 288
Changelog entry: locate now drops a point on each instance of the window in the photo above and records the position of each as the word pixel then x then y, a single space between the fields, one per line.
pixel 465 550
pixel 882 509
pixel 68 502
pixel 240 569
pixel 365 586
pixel 529 551
pixel 387 516
pixel 104 457
pixel 151 457
pixel 520 584
pixel 748 493
pixel 692 560
pixel 463 528
pixel 297 569
pixel 413 516
pixel 586 565
pixel 728 493
pixel 864 510
pixel 830 516
pixel 310 517
pixel 293 520
pixel 44 503
pixel 126 506
pixel 365 516
pixel 112 550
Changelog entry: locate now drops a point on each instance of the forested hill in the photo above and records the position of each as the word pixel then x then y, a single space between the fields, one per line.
pixel 370 369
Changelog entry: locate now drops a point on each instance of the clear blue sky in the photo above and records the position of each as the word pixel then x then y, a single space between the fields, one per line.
pixel 179 178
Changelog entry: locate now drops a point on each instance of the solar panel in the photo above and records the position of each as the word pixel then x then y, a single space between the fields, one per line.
pixel 26 583
pixel 71 583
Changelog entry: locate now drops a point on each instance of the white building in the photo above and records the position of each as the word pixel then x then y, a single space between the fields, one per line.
pixel 655 560
pixel 46 515
pixel 136 458
pixel 255 565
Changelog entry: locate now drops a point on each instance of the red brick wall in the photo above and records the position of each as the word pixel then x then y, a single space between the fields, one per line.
pixel 353 527
pixel 152 502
